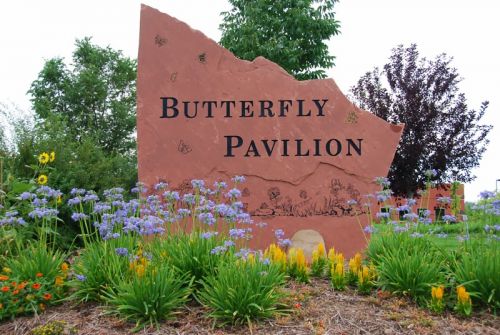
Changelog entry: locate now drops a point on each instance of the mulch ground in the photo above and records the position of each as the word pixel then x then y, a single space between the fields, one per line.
pixel 317 310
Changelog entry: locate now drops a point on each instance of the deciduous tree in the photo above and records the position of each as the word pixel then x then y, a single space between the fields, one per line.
pixel 441 131
pixel 291 33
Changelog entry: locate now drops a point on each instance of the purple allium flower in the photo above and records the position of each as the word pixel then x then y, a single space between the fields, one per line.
pixel 404 208
pixel 279 233
pixel 416 235
pixel 411 202
pixel 183 212
pixel 218 250
pixel 237 233
pixel 382 181
pixel 74 201
pixel 40 213
pixel 10 214
pixel 425 213
pixel 207 218
pixel 410 216
pixel 239 179
pixel 382 197
pixel 81 277
pixel 444 200
pixel 244 218
pixel 198 183
pixel 229 243
pixel 160 186
pixel 352 202
pixel 399 229
pixel 27 196
pixel 101 207
pixel 39 202
pixel 171 196
pixel 284 243
pixel 77 191
pixel 208 234
pixel 369 229
pixel 266 261
pixel 442 235
pixel 384 215
pixel 220 185
pixel 189 199
pixel 486 195
pixel 425 221
pixel 233 193
pixel 449 218
pixel 121 251
pixel 496 227
pixel 463 238
pixel 79 216
pixel 487 228
pixel 90 197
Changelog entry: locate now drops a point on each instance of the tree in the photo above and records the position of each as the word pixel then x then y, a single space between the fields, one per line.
pixel 441 132
pixel 290 33
pixel 95 96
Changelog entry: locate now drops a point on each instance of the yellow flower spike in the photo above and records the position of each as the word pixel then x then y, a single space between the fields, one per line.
pixel 331 255
pixel 64 267
pixel 139 270
pixel 357 260
pixel 251 259
pixel 462 294
pixel 59 281
pixel 353 267
pixel 42 179
pixel 6 270
pixel 321 250
pixel 52 156
pixel 339 269
pixel 366 272
pixel 43 158
pixel 315 256
pixel 339 258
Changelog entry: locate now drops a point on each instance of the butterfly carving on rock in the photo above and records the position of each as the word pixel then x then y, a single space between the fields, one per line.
pixel 184 148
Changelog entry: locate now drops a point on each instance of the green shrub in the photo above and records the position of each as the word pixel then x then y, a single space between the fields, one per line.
pixel 99 269
pixel 409 266
pixel 381 242
pixel 34 260
pixel 149 297
pixel 244 291
pixel 190 254
pixel 477 268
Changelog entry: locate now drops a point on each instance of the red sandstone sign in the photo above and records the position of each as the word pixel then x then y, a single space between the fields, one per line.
pixel 304 149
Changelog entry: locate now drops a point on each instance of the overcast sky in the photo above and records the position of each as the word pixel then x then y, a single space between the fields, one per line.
pixel 34 31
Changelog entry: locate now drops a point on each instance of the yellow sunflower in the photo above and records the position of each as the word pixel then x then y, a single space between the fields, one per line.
pixel 43 158
pixel 42 179
pixel 52 156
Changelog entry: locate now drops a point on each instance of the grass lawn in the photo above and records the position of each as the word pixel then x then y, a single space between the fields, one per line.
pixel 445 236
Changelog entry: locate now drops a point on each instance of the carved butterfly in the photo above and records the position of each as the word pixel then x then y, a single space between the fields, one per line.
pixel 184 147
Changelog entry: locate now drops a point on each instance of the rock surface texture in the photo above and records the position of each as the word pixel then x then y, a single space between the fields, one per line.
pixel 304 149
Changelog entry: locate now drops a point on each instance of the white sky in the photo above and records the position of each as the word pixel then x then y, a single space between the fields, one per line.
pixel 34 31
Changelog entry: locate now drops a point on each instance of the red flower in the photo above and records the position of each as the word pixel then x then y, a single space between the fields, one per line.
pixel 298 305
pixel 5 289
pixel 36 286
pixel 47 296
pixel 15 292
pixel 39 275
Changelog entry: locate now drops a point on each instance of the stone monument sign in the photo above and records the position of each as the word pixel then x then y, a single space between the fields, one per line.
pixel 304 149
